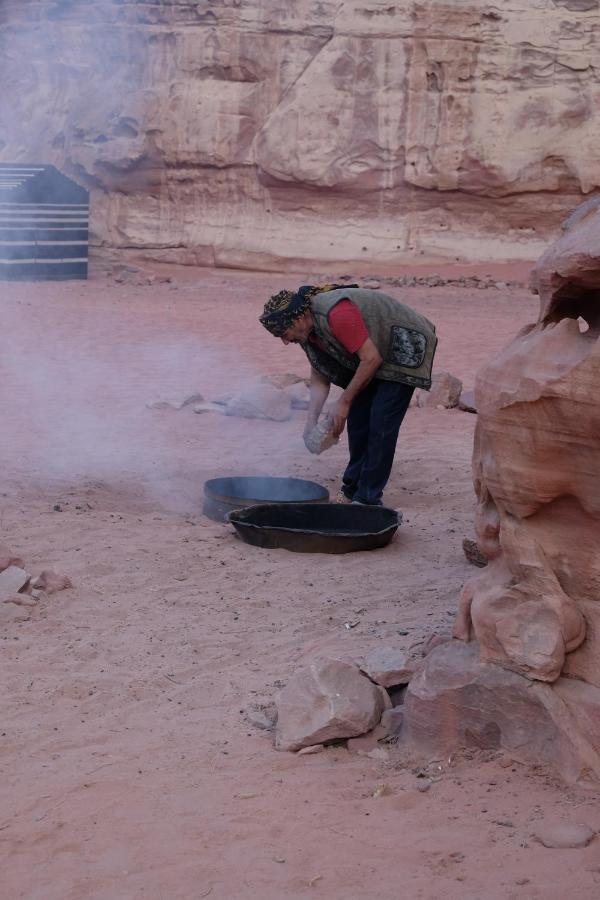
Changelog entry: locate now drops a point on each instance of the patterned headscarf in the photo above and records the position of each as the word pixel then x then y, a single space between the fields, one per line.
pixel 286 306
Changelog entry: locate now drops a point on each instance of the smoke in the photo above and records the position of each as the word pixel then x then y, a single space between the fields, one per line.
pixel 74 402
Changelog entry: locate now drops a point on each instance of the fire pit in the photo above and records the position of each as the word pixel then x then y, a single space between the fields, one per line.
pixel 222 495
pixel 321 528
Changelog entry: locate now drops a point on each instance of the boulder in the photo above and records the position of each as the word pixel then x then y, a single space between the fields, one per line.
pixel 260 401
pixel 328 700
pixel 445 391
pixel 459 701
pixel 389 666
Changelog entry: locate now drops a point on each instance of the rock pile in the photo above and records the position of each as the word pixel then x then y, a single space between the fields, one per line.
pixel 332 699
pixel 19 591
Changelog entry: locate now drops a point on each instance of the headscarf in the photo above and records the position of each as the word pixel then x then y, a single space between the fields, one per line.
pixel 286 306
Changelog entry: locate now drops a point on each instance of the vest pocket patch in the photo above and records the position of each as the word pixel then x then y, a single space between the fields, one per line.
pixel 408 347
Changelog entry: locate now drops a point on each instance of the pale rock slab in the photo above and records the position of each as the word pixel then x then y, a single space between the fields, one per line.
pixel 260 401
pixel 327 700
pixel 12 580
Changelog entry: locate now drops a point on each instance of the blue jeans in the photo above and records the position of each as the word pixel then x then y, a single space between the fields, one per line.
pixel 373 425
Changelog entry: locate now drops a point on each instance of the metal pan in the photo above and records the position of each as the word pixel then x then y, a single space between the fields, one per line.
pixel 222 495
pixel 316 528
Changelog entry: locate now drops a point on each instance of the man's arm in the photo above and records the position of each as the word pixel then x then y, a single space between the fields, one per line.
pixel 370 360
pixel 319 391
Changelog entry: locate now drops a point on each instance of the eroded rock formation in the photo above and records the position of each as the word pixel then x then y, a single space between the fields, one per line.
pixel 535 608
pixel 269 133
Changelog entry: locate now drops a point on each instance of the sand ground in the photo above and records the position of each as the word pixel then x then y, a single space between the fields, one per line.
pixel 131 766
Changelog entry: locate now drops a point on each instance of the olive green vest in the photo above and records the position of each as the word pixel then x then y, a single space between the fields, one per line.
pixel 405 339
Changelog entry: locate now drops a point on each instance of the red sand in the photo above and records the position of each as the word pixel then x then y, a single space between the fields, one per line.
pixel 130 767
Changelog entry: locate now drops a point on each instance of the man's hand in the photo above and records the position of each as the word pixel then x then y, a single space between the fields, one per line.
pixel 339 414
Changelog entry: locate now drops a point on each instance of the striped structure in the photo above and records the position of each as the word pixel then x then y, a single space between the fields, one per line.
pixel 43 224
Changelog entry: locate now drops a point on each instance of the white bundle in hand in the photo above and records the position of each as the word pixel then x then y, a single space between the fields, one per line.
pixel 320 437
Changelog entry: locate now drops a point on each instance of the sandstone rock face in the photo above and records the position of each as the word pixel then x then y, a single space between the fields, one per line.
pixel 533 613
pixel 327 700
pixel 243 134
pixel 537 451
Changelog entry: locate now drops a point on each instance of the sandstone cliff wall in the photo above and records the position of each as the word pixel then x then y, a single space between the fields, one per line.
pixel 272 132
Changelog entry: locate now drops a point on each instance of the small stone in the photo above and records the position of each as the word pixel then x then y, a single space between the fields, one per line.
pixel 310 751
pixel 378 753
pixel 473 553
pixel 563 835
pixel 521 881
pixel 382 790
pixel 391 721
pixel 51 582
pixel 209 407
pixel 466 402
pixel 423 784
pixel 7 558
pixel 261 720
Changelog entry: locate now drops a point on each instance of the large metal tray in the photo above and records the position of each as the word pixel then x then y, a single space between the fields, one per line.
pixel 316 528
pixel 222 495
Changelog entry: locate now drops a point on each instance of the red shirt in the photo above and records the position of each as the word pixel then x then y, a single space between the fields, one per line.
pixel 347 326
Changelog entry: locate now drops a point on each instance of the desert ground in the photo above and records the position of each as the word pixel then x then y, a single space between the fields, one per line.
pixel 133 758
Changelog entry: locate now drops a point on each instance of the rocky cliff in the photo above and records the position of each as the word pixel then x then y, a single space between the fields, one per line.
pixel 269 133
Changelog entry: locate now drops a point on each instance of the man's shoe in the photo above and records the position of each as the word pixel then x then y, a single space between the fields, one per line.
pixel 362 503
